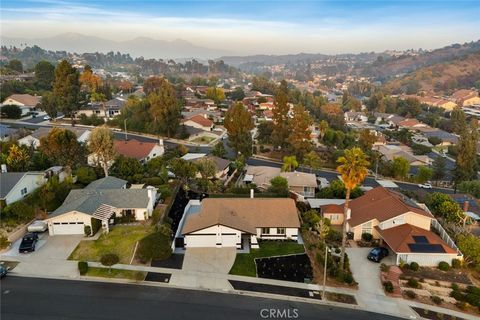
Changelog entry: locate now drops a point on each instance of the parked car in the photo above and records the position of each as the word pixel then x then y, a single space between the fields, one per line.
pixel 3 271
pixel 425 186
pixel 28 243
pixel 377 254
pixel 37 226
pixel 47 117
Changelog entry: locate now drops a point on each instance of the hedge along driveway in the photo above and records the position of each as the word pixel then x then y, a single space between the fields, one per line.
pixel 120 240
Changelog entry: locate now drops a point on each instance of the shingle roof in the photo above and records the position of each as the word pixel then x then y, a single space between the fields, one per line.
pixel 300 179
pixel 381 204
pixel 25 99
pixel 107 183
pixel 8 180
pixel 43 132
pixel 244 214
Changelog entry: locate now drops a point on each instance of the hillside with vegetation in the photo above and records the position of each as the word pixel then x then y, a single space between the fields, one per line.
pixel 440 78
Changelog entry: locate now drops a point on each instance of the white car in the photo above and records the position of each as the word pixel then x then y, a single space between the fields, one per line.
pixel 37 226
pixel 46 118
pixel 425 186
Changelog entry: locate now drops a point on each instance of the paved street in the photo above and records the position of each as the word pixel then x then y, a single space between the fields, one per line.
pixel 31 298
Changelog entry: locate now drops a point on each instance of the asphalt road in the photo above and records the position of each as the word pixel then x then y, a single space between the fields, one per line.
pixel 33 298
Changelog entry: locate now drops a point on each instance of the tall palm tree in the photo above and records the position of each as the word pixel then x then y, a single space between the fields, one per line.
pixel 353 168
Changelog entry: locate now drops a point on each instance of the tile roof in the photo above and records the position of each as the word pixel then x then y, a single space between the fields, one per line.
pixel 332 208
pixel 201 120
pixel 400 237
pixel 244 214
pixel 134 148
pixel 381 204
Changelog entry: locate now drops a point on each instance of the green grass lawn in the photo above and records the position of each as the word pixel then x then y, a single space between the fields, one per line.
pixel 116 273
pixel 204 140
pixel 245 262
pixel 120 240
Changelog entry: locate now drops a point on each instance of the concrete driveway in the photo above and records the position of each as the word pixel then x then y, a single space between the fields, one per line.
pixel 210 260
pixel 366 272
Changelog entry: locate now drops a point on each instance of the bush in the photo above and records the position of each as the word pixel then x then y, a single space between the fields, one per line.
pixel 436 299
pixel 82 267
pixel 414 266
pixel 154 246
pixel 165 229
pixel 411 294
pixel 109 259
pixel 413 283
pixel 4 243
pixel 455 287
pixel 388 285
pixel 348 278
pixel 384 267
pixel 19 210
pixel 457 295
pixel 456 263
pixel 461 305
pixel 367 237
pixel 444 266
pixel 96 225
pixel 85 175
pixel 11 111
pixel 87 230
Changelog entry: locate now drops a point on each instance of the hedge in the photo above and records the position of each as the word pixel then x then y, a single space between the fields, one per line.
pixel 82 267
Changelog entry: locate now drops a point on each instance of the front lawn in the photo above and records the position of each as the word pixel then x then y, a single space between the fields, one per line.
pixel 245 262
pixel 120 240
pixel 116 273
pixel 203 140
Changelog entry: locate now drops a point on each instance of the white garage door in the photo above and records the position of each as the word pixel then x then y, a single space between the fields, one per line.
pixel 199 241
pixel 60 228
pixel 229 240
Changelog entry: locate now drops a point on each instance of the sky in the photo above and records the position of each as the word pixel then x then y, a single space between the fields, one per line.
pixel 254 27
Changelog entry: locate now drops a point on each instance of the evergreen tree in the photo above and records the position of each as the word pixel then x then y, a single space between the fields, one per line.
pixel 66 89
pixel 280 116
pixel 466 164
pixel 299 132
pixel 238 123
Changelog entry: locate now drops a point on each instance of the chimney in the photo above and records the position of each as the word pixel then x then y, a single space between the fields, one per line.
pixel 251 193
pixel 465 206
pixel 4 168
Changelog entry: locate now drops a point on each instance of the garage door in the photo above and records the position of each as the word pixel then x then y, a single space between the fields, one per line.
pixel 60 228
pixel 199 241
pixel 229 240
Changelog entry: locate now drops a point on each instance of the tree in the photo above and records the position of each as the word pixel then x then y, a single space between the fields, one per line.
pixel 238 123
pixel 265 130
pixel 206 168
pixel 99 98
pixel 109 260
pixel 215 94
pixel 400 167
pixel 62 148
pixel 152 84
pixel 11 111
pixel 183 170
pixel 466 164
pixel 102 146
pixel 49 104
pixel 90 82
pixel 353 166
pixel 471 187
pixel 15 65
pixel 278 185
pixel 18 158
pixel 435 140
pixel 312 160
pixel 459 122
pixel 290 163
pixel 238 94
pixel 66 89
pixel 439 167
pixel 126 168
pixel 366 140
pixel 299 128
pixel 219 150
pixel 44 75
pixel 164 108
pixel 322 127
pixel 442 205
pixel 424 174
pixel 280 116
pixel 469 245
pixel 85 175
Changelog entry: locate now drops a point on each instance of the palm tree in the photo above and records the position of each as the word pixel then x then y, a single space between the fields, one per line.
pixel 353 168
pixel 290 163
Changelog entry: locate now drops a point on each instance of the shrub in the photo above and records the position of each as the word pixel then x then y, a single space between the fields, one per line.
pixel 154 246
pixel 82 267
pixel 367 237
pixel 436 299
pixel 383 267
pixel 4 243
pixel 96 225
pixel 85 175
pixel 413 283
pixel 457 295
pixel 334 236
pixel 11 111
pixel 455 287
pixel 444 266
pixel 414 266
pixel 456 263
pixel 165 229
pixel 388 285
pixel 348 278
pixel 411 294
pixel 87 230
pixel 109 259
pixel 461 305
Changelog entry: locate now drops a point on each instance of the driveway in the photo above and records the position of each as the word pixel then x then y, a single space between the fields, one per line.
pixel 366 272
pixel 210 260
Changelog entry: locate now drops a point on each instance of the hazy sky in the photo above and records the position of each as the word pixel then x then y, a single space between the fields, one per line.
pixel 249 27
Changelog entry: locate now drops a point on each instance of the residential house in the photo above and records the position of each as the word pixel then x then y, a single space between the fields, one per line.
pixel 98 204
pixel 390 152
pixel 7 133
pixel 410 124
pixel 33 139
pixel 26 102
pixel 222 166
pixel 140 150
pixel 15 186
pixel 199 122
pixel 238 222
pixel 465 97
pixel 446 137
pixel 333 212
pixel 402 225
pixel 355 116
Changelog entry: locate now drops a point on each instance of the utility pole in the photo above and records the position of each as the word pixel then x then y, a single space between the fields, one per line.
pixel 325 272
pixel 125 124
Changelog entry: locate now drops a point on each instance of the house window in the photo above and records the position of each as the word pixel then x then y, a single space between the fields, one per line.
pixel 333 217
pixel 265 230
pixel 280 230
pixel 23 191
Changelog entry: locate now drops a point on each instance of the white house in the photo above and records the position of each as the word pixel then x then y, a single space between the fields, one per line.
pixel 33 139
pixel 239 222
pixel 15 186
pixel 98 203
pixel 200 122
pixel 26 102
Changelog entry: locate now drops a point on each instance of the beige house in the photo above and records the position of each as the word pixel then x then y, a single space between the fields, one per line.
pixel 333 212
pixel 465 97
pixel 26 102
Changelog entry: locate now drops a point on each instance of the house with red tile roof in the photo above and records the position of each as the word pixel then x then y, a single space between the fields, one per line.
pixel 465 97
pixel 200 122
pixel 402 225
pixel 142 151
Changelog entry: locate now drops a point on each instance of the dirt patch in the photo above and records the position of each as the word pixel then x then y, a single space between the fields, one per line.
pixel 340 297
pixel 10 265
pixel 433 315
pixel 458 276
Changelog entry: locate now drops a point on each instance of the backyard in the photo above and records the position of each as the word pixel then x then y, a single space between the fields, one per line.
pixel 121 240
pixel 245 262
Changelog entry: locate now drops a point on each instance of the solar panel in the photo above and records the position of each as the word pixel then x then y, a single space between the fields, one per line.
pixel 426 248
pixel 420 239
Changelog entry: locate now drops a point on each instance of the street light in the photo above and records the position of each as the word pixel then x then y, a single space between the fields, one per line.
pixel 327 250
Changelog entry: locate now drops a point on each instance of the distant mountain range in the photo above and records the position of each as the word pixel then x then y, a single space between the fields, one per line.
pixel 141 46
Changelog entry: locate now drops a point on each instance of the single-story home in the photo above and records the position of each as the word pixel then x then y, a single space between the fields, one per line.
pixel 222 166
pixel 26 102
pixel 15 186
pixel 142 151
pixel 200 122
pixel 33 139
pixel 239 222
pixel 98 203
